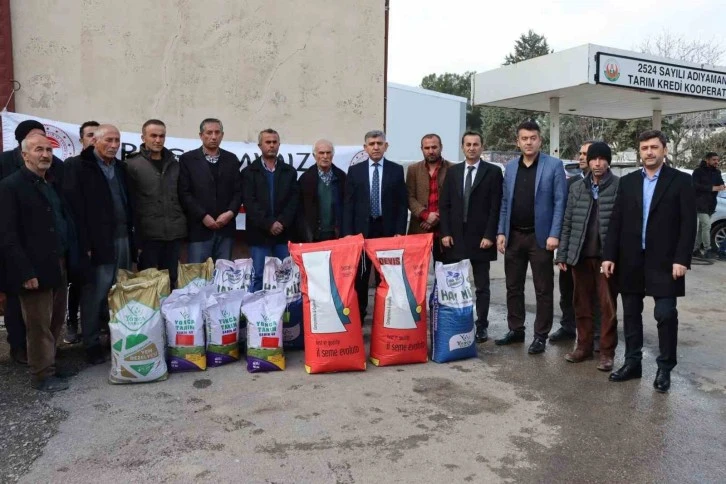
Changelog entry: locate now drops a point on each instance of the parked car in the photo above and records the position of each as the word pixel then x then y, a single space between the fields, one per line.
pixel 718 224
pixel 572 168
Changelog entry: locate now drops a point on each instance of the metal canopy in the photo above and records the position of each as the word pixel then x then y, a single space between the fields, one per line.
pixel 573 76
pixel 602 82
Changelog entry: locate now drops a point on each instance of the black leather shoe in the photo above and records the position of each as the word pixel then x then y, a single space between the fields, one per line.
pixel 562 335
pixel 94 355
pixel 510 337
pixel 482 334
pixel 627 372
pixel 537 346
pixel 662 381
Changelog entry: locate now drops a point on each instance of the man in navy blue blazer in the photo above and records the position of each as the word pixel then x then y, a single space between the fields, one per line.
pixel 375 203
pixel 533 206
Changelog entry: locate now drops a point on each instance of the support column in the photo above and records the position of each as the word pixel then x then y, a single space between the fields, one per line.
pixel 657 119
pixel 555 127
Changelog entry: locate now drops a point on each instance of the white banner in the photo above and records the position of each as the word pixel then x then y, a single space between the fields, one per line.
pixel 660 77
pixel 66 143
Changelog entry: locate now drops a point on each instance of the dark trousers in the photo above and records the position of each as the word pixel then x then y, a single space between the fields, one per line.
pixel 522 250
pixel 74 302
pixel 567 291
pixel 14 323
pixel 161 254
pixel 666 316
pixel 588 282
pixel 483 294
pixel 375 231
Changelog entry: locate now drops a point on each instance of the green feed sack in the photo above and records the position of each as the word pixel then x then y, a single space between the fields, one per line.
pixel 137 332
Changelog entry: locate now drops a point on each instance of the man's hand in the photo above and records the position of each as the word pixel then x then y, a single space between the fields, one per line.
pixel 447 241
pixel 719 188
pixel 679 271
pixel 562 266
pixel 485 243
pixel 501 243
pixel 552 243
pixel 209 222
pixel 425 225
pixel 608 268
pixel 225 218
pixel 31 284
pixel 276 228
pixel 433 218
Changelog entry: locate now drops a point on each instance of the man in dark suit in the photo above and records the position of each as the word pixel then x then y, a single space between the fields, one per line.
pixel 96 188
pixel 271 194
pixel 37 239
pixel 210 191
pixel 376 202
pixel 322 189
pixel 533 206
pixel 86 133
pixel 10 162
pixel 648 248
pixel 470 202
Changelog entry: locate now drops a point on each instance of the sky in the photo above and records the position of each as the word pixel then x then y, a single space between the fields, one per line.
pixel 434 36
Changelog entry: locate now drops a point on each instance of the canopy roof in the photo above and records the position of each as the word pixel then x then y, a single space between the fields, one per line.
pixel 592 80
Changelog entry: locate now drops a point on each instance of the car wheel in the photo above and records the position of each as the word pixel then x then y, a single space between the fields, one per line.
pixel 718 236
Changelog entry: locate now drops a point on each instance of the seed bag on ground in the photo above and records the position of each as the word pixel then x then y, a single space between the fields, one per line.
pixel 221 318
pixel 285 276
pixel 184 331
pixel 399 331
pixel 137 331
pixel 198 275
pixel 232 275
pixel 263 311
pixel 331 319
pixel 452 313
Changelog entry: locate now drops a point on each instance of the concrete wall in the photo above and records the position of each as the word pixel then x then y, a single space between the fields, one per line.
pixel 308 69
pixel 414 112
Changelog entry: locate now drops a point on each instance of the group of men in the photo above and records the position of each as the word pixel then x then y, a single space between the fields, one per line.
pixel 85 218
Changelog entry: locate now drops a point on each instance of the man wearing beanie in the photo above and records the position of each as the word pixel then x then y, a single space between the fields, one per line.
pixel 10 162
pixel 587 216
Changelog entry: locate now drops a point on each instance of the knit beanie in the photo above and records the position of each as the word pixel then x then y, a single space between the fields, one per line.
pixel 599 149
pixel 25 127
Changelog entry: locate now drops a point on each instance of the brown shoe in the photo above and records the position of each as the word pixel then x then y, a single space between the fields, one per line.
pixel 605 364
pixel 19 356
pixel 578 356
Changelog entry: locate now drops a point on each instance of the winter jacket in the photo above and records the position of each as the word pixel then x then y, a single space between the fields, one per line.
pixel 704 179
pixel 577 215
pixel 155 197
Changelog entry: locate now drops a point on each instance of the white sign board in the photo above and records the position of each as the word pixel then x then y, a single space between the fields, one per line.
pixel 660 77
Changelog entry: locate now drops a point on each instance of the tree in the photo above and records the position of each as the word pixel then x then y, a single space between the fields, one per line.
pixel 457 85
pixel 698 147
pixel 528 46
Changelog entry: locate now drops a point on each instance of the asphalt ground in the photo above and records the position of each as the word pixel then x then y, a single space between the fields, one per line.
pixel 504 416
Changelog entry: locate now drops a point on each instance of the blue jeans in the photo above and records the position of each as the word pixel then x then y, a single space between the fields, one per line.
pixel 218 247
pixel 258 253
pixel 94 294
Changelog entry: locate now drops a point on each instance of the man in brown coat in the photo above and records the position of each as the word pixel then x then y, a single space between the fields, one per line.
pixel 423 182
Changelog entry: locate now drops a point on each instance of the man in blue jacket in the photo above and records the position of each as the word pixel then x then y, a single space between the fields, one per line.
pixel 533 206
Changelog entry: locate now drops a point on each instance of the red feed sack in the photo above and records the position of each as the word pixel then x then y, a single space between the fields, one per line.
pixel 331 319
pixel 399 333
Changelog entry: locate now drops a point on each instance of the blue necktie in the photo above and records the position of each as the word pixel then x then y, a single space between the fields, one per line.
pixel 375 193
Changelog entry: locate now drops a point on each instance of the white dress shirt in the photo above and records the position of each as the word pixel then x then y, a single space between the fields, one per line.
pixel 473 174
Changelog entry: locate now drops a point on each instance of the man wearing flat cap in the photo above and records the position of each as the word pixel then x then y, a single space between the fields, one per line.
pixel 589 206
pixel 10 162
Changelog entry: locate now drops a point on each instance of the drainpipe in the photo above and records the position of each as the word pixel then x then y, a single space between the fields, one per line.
pixel 6 59
pixel 385 69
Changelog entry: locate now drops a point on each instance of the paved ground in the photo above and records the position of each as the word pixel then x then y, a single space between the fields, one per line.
pixel 504 416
